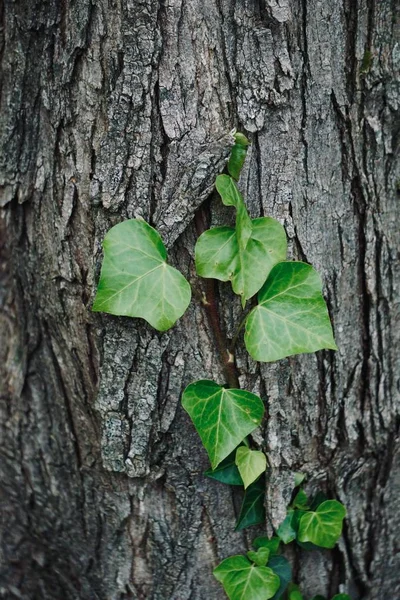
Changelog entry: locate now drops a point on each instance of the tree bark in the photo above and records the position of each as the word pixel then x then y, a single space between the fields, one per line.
pixel 118 109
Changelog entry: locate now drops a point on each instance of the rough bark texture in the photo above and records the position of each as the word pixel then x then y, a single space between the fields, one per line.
pixel 120 108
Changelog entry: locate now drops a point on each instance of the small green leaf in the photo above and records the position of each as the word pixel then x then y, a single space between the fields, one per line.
pixel 282 568
pixel 219 256
pixel 226 472
pixel 299 478
pixel 243 580
pixel 135 279
pixel 341 597
pixel 231 196
pixel 324 526
pixel 260 557
pixel 252 510
pixel 222 417
pixel 251 463
pixel 294 592
pixel 285 530
pixel 291 316
pixel 238 155
pixel 271 543
pixel 300 500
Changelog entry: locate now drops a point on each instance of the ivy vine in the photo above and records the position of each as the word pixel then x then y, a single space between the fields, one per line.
pixel 290 317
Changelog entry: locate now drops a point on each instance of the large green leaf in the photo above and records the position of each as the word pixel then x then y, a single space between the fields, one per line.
pixel 222 417
pixel 282 568
pixel 231 196
pixel 252 510
pixel 238 155
pixel 243 580
pixel 251 463
pixel 219 256
pixel 136 280
pixel 226 472
pixel 291 316
pixel 324 526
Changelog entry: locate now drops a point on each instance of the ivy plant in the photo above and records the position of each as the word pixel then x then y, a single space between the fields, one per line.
pixel 289 317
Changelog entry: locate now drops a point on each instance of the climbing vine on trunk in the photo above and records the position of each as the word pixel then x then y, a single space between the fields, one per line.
pixel 290 318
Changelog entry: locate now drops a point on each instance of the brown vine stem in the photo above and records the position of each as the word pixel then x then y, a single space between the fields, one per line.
pixel 210 304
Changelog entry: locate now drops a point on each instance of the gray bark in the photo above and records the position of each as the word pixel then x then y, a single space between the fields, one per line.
pixel 115 109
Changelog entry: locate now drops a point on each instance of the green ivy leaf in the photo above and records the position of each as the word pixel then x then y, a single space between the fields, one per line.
pixel 135 279
pixel 243 580
pixel 282 568
pixel 324 526
pixel 252 510
pixel 238 155
pixel 286 531
pixel 251 463
pixel 299 478
pixel 341 597
pixel 231 196
pixel 222 417
pixel 271 543
pixel 219 256
pixel 294 592
pixel 260 558
pixel 226 472
pixel 291 316
pixel 300 500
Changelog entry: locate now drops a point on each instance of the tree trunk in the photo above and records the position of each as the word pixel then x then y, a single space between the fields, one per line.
pixel 118 109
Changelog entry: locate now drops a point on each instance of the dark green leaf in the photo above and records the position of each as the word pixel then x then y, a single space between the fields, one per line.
pixel 243 580
pixel 226 472
pixel 222 417
pixel 341 597
pixel 324 526
pixel 135 280
pixel 252 510
pixel 300 500
pixel 271 543
pixel 282 568
pixel 291 316
pixel 318 499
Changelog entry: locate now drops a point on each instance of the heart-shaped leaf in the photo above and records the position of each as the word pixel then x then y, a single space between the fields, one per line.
pixel 251 463
pixel 243 580
pixel 260 557
pixel 231 196
pixel 324 526
pixel 226 472
pixel 222 417
pixel 291 316
pixel 282 568
pixel 252 510
pixel 136 280
pixel 219 256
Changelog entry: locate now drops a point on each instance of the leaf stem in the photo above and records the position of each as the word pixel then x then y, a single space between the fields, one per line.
pixel 211 306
